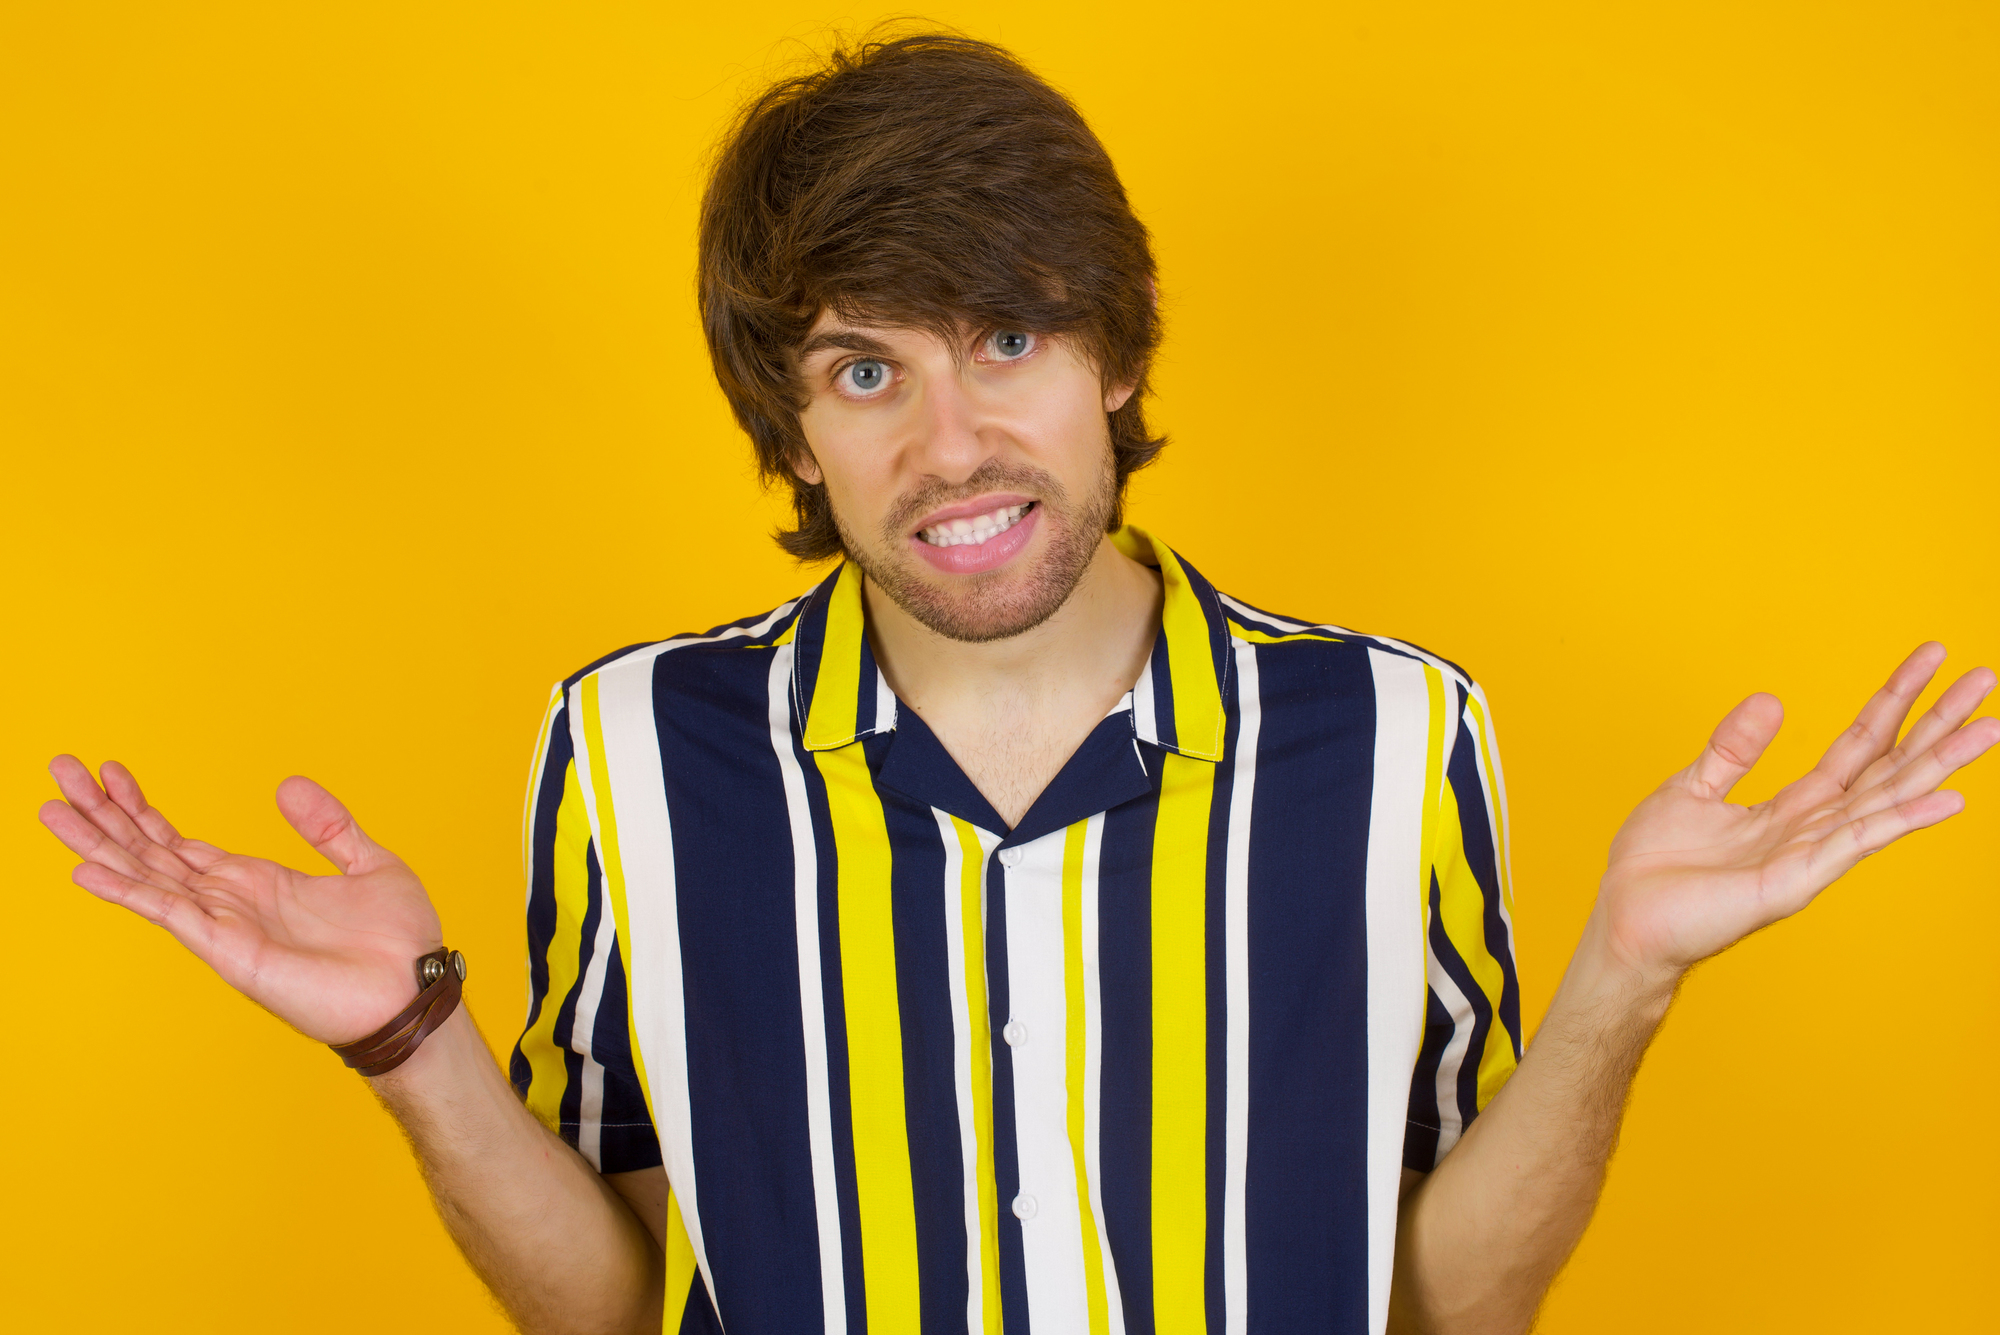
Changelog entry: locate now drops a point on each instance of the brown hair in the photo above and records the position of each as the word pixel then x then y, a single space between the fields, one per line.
pixel 930 182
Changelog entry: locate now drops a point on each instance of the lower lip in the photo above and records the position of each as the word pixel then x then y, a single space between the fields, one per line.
pixel 971 558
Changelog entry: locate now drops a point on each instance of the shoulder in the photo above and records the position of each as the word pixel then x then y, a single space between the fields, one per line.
pixel 1327 643
pixel 696 650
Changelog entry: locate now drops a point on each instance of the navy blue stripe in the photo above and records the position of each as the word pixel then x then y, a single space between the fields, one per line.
pixel 807 642
pixel 833 1000
pixel 1216 946
pixel 930 1084
pixel 542 886
pixel 1480 842
pixel 1125 963
pixel 1163 695
pixel 1306 1186
pixel 1420 1131
pixel 738 949
pixel 1218 624
pixel 1482 1012
pixel 865 721
pixel 626 1138
pixel 569 1111
pixel 698 1317
pixel 1006 1159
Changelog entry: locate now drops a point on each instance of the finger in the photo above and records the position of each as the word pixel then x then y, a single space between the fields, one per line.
pixel 174 910
pixel 1929 770
pixel 122 788
pixel 324 823
pixel 1836 854
pixel 88 800
pixel 1738 741
pixel 1874 729
pixel 91 844
pixel 1950 712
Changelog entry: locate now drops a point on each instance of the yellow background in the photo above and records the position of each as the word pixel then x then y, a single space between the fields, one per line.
pixel 1637 356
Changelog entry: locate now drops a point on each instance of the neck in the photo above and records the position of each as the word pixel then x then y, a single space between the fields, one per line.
pixel 1096 643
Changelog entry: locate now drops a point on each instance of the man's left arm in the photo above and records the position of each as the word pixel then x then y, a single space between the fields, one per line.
pixel 1690 874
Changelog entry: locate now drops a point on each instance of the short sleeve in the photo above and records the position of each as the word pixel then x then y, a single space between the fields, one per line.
pixel 573 1065
pixel 1472 1023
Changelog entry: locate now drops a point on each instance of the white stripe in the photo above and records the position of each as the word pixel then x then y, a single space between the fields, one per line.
pixel 645 837
pixel 1294 627
pixel 1058 1294
pixel 1093 1068
pixel 1488 750
pixel 583 1036
pixel 1236 970
pixel 1144 720
pixel 812 997
pixel 885 704
pixel 1451 1124
pixel 1395 917
pixel 964 1033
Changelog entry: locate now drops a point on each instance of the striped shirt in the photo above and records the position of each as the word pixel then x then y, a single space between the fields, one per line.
pixel 1151 1061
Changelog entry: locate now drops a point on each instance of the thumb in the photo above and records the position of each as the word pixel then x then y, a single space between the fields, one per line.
pixel 1738 742
pixel 324 823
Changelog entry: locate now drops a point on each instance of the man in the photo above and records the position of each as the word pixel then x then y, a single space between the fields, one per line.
pixel 1012 933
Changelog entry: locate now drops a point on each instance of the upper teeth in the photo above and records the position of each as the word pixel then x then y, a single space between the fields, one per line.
pixel 971 532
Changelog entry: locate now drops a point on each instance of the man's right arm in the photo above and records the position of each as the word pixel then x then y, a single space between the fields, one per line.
pixel 334 956
pixel 562 1248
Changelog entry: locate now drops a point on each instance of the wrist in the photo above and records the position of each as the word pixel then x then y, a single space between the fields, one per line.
pixel 1608 980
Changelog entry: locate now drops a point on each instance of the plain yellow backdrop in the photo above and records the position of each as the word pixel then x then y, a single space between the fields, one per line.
pixel 1637 356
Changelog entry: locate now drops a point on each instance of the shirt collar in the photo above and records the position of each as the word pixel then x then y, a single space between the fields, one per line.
pixel 1177 703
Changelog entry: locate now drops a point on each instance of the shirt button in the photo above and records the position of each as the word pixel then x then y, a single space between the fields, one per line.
pixel 1024 1206
pixel 1010 857
pixel 1015 1033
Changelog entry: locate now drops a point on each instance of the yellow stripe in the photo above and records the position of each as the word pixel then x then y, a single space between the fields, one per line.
pixel 1243 632
pixel 680 1265
pixel 874 1041
pixel 835 709
pixel 1191 661
pixel 547 1072
pixel 611 861
pixel 1180 1046
pixel 1198 719
pixel 1463 905
pixel 1073 1027
pixel 972 861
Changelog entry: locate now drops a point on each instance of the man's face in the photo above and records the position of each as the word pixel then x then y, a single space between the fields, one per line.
pixel 971 480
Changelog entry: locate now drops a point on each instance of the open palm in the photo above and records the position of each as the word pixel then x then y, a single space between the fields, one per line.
pixel 1691 873
pixel 331 955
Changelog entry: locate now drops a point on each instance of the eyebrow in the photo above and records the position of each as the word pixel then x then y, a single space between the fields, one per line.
pixel 842 340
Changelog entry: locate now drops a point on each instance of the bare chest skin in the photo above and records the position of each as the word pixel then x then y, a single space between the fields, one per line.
pixel 1012 744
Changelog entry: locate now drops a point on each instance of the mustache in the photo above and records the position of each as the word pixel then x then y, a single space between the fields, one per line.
pixel 993 475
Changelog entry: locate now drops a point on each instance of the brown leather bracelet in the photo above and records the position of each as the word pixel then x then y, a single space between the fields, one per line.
pixel 441 975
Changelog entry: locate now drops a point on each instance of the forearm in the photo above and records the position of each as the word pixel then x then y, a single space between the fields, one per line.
pixel 559 1248
pixel 1480 1240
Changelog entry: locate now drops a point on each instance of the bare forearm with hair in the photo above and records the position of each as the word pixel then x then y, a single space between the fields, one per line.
pixel 1480 1239
pixel 560 1249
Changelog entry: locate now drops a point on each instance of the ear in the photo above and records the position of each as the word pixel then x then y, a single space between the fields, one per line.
pixel 1116 396
pixel 806 469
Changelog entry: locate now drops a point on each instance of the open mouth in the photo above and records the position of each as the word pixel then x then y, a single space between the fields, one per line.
pixel 977 530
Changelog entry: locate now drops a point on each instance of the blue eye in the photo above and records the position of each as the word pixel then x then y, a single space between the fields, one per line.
pixel 866 377
pixel 1011 345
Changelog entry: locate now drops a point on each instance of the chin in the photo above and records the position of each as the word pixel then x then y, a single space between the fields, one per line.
pixel 978 609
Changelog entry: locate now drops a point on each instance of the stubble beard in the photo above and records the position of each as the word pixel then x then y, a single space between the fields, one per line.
pixel 997 604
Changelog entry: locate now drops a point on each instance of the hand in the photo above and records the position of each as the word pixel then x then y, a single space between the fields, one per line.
pixel 1692 873
pixel 333 956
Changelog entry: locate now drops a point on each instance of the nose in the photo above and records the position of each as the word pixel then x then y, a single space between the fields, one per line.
pixel 957 431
